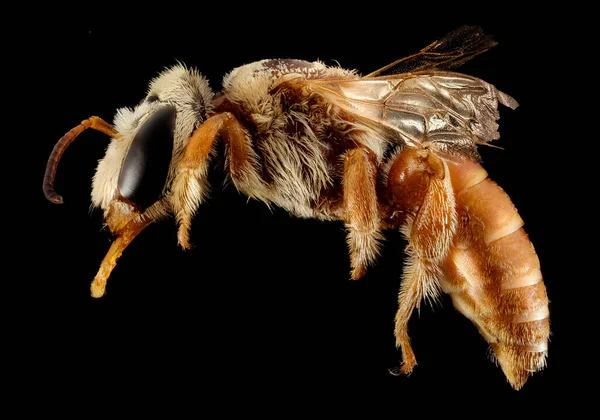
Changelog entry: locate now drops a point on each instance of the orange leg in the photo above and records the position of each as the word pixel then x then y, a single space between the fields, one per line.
pixel 361 210
pixel 190 186
pixel 420 188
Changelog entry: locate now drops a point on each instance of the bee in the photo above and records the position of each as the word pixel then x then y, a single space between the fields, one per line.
pixel 395 149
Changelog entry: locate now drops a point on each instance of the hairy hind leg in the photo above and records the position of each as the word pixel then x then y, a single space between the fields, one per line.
pixel 418 283
pixel 419 189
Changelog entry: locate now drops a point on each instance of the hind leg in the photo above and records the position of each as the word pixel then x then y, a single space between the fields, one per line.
pixel 420 190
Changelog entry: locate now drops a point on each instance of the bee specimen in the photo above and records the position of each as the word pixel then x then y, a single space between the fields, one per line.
pixel 395 149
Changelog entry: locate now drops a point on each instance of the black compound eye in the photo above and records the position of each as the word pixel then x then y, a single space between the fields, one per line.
pixel 146 165
pixel 152 98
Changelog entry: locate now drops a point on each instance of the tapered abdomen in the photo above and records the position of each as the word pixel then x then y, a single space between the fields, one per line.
pixel 493 274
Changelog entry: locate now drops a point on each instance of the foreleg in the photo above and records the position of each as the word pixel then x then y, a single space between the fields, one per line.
pixel 190 186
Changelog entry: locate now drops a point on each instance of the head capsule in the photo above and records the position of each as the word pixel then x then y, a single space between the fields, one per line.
pixel 136 172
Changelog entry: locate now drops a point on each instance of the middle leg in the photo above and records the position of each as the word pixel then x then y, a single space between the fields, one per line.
pixel 361 209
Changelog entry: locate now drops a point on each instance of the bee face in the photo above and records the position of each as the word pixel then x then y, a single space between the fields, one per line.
pixel 136 172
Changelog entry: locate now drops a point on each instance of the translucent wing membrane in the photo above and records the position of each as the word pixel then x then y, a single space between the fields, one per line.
pixel 453 50
pixel 450 112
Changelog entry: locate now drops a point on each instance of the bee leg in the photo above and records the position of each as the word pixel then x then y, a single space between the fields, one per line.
pixel 420 186
pixel 190 187
pixel 419 281
pixel 361 210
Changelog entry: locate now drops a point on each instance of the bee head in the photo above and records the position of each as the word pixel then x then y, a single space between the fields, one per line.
pixel 139 166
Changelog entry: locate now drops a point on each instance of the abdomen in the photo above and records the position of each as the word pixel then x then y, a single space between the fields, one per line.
pixel 493 274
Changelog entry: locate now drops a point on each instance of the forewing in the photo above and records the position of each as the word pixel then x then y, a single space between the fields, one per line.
pixel 450 112
pixel 451 51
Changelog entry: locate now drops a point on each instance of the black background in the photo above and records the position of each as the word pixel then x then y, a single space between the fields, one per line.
pixel 261 315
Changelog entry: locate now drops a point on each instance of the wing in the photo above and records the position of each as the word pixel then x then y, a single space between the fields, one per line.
pixel 453 50
pixel 448 111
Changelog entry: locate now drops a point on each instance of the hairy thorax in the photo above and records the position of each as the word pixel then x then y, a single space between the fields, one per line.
pixel 299 140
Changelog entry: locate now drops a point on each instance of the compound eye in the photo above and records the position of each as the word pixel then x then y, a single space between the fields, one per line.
pixel 146 166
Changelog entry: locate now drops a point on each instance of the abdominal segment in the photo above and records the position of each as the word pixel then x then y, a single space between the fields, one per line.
pixel 493 275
